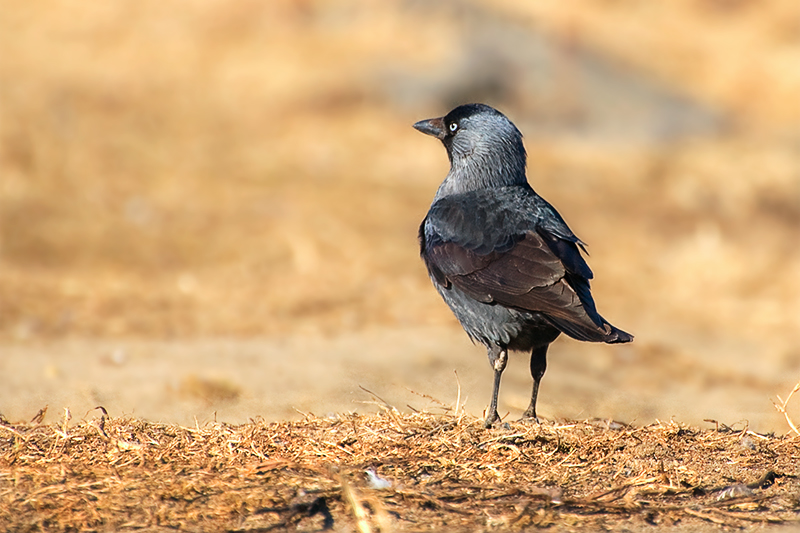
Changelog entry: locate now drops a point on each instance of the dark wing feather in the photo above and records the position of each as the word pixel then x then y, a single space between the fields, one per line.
pixel 491 256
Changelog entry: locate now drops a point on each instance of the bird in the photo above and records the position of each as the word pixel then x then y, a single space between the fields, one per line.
pixel 501 257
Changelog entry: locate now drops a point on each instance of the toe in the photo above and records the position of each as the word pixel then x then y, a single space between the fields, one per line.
pixel 491 420
pixel 529 417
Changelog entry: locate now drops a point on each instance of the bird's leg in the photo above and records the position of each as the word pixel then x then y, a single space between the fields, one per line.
pixel 538 366
pixel 498 357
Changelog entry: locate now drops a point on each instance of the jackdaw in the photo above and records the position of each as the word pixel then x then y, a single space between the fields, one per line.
pixel 500 256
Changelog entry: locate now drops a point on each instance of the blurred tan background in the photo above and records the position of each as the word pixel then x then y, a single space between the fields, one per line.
pixel 210 208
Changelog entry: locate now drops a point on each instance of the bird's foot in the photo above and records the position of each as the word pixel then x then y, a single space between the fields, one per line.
pixel 491 420
pixel 530 416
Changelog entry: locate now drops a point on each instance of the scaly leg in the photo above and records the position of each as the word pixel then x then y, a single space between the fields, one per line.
pixel 498 358
pixel 538 366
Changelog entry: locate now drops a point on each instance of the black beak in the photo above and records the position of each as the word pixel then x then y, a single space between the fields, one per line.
pixel 433 127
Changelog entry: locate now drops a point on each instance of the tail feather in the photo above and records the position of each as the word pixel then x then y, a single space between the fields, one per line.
pixel 589 332
pixel 618 336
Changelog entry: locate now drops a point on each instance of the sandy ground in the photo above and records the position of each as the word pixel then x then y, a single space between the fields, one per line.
pixel 235 380
pixel 213 208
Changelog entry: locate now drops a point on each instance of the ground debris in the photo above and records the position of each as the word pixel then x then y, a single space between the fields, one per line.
pixel 436 471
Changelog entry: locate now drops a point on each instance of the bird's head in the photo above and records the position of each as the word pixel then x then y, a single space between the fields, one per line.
pixel 484 147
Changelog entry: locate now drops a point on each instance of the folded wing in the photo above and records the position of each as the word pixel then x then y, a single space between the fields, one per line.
pixel 517 264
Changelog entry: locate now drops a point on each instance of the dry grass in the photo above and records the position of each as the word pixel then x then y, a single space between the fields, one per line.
pixel 426 471
pixel 781 405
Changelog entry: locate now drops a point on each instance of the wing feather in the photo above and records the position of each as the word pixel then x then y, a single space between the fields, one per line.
pixel 493 249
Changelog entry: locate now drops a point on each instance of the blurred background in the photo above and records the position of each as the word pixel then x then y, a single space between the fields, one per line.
pixel 209 209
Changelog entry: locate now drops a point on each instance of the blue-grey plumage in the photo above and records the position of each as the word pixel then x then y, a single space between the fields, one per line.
pixel 501 257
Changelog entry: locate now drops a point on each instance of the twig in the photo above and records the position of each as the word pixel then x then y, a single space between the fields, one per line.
pixel 706 517
pixel 15 432
pixel 438 402
pixel 67 417
pixel 36 420
pixel 362 525
pixel 383 403
pixel 749 517
pixel 782 408
pixel 458 396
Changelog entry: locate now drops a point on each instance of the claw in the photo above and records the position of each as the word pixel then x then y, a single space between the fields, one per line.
pixel 491 420
pixel 530 417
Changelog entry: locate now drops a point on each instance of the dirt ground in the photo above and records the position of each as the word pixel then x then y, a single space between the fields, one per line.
pixel 280 379
pixel 202 212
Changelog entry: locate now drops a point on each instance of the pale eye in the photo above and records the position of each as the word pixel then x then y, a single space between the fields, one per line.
pixel 453 126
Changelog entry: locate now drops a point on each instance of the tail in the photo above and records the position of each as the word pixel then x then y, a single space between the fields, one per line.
pixel 617 336
pixel 591 332
pixel 588 326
